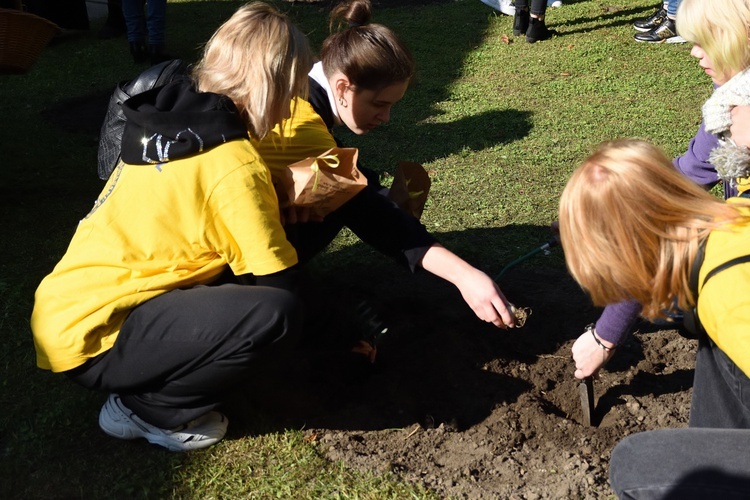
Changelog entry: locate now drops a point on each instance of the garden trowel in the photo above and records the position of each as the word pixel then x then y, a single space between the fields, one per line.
pixel 586 390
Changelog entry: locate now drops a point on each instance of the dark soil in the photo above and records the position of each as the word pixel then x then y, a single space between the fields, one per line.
pixel 471 411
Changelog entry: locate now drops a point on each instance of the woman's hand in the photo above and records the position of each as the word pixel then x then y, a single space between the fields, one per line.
pixel 740 128
pixel 485 298
pixel 479 291
pixel 589 355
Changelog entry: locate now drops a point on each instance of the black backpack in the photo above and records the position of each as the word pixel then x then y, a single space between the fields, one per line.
pixel 110 137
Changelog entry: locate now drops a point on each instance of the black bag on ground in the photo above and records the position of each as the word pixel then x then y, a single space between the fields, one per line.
pixel 110 137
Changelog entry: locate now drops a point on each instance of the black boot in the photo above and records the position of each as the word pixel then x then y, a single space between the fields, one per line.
pixel 537 30
pixel 520 22
pixel 138 51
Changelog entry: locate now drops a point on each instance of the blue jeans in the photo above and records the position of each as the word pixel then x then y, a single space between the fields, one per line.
pixel 139 23
pixel 671 6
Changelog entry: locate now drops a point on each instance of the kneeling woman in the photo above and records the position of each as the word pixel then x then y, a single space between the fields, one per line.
pixel 134 307
pixel 364 71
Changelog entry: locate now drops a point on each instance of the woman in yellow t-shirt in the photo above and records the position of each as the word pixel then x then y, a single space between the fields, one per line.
pixel 134 307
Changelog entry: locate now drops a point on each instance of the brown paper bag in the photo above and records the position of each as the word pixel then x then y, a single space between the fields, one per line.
pixel 410 187
pixel 324 183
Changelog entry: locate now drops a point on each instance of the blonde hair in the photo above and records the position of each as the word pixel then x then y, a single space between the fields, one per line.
pixel 260 60
pixel 721 28
pixel 630 226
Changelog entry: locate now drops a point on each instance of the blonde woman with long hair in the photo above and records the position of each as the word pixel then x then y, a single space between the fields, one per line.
pixel 632 227
pixel 136 307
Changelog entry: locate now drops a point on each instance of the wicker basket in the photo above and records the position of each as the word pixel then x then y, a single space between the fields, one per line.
pixel 23 37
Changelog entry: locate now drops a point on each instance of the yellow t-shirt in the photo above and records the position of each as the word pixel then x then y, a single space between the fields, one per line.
pixel 156 228
pixel 724 302
pixel 305 136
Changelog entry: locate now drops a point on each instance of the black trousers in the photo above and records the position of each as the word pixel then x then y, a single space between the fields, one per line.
pixel 178 354
pixel 538 7
pixel 375 219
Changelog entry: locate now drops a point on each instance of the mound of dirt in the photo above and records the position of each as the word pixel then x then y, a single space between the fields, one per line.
pixel 471 411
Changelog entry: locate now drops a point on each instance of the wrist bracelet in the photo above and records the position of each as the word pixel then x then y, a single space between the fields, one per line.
pixel 593 332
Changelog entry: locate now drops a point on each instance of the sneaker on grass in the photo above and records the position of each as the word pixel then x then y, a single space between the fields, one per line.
pixel 651 22
pixel 504 6
pixel 666 32
pixel 118 421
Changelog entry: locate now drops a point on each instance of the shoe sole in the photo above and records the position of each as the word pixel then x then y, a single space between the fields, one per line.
pixel 110 426
pixel 674 39
pixel 125 433
pixel 171 446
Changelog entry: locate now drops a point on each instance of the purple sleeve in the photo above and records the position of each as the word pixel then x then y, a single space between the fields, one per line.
pixel 694 162
pixel 617 319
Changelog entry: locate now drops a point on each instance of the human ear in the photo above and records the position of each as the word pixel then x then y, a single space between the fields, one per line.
pixel 341 85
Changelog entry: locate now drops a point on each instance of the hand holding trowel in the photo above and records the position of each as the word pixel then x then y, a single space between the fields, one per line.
pixel 590 353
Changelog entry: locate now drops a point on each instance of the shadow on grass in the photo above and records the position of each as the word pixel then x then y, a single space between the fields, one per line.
pixel 430 367
pixel 612 17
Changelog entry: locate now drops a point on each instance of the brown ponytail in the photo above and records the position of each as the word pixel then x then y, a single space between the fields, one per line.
pixel 370 55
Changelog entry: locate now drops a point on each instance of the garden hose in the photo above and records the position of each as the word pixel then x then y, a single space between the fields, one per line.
pixel 541 249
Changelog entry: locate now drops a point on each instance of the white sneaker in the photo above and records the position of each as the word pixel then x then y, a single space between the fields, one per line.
pixel 504 6
pixel 118 421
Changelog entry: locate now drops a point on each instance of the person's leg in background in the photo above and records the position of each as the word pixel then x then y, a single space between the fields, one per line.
pixel 135 22
pixel 529 20
pixel 156 22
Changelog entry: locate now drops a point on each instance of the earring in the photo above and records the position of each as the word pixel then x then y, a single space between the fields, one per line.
pixel 342 102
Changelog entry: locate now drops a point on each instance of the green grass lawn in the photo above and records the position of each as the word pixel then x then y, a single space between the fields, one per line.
pixel 499 125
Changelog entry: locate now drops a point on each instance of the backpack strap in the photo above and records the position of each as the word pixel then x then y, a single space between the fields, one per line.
pixel 692 327
pixel 691 321
pixel 718 269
